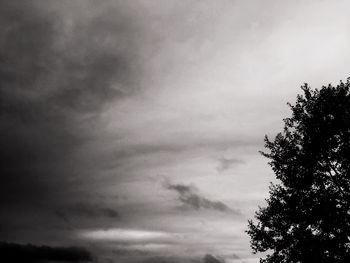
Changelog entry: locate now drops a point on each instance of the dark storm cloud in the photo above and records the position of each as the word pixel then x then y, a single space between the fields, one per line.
pixel 44 67
pixel 11 252
pixel 59 68
pixel 227 163
pixel 188 196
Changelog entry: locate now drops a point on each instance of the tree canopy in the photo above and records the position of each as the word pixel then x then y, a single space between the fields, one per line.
pixel 307 216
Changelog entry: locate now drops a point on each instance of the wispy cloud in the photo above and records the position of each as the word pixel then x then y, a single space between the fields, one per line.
pixel 227 163
pixel 190 198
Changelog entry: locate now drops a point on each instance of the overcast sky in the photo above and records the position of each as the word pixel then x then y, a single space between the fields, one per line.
pixel 132 128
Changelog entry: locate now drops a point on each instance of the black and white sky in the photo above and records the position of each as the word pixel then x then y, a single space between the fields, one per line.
pixel 132 128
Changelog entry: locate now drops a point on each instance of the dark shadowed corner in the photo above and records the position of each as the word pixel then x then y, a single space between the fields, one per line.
pixel 55 79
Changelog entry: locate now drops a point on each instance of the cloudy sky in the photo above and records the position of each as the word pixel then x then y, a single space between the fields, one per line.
pixel 132 128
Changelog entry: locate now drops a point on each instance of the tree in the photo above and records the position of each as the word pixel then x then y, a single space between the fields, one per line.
pixel 307 216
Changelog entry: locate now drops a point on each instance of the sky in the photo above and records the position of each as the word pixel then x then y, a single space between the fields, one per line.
pixel 133 128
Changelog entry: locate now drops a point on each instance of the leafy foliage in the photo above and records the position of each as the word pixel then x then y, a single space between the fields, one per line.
pixel 307 217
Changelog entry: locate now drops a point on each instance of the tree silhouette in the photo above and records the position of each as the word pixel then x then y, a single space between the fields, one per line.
pixel 13 253
pixel 307 217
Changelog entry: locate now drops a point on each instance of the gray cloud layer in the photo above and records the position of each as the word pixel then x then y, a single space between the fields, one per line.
pixel 85 210
pixel 207 258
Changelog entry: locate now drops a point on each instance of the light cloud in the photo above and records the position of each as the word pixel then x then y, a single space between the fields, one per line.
pixel 125 235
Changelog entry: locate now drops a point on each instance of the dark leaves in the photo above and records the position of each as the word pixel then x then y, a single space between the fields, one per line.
pixel 307 217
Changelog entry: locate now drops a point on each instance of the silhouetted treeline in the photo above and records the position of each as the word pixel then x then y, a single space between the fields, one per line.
pixel 11 252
